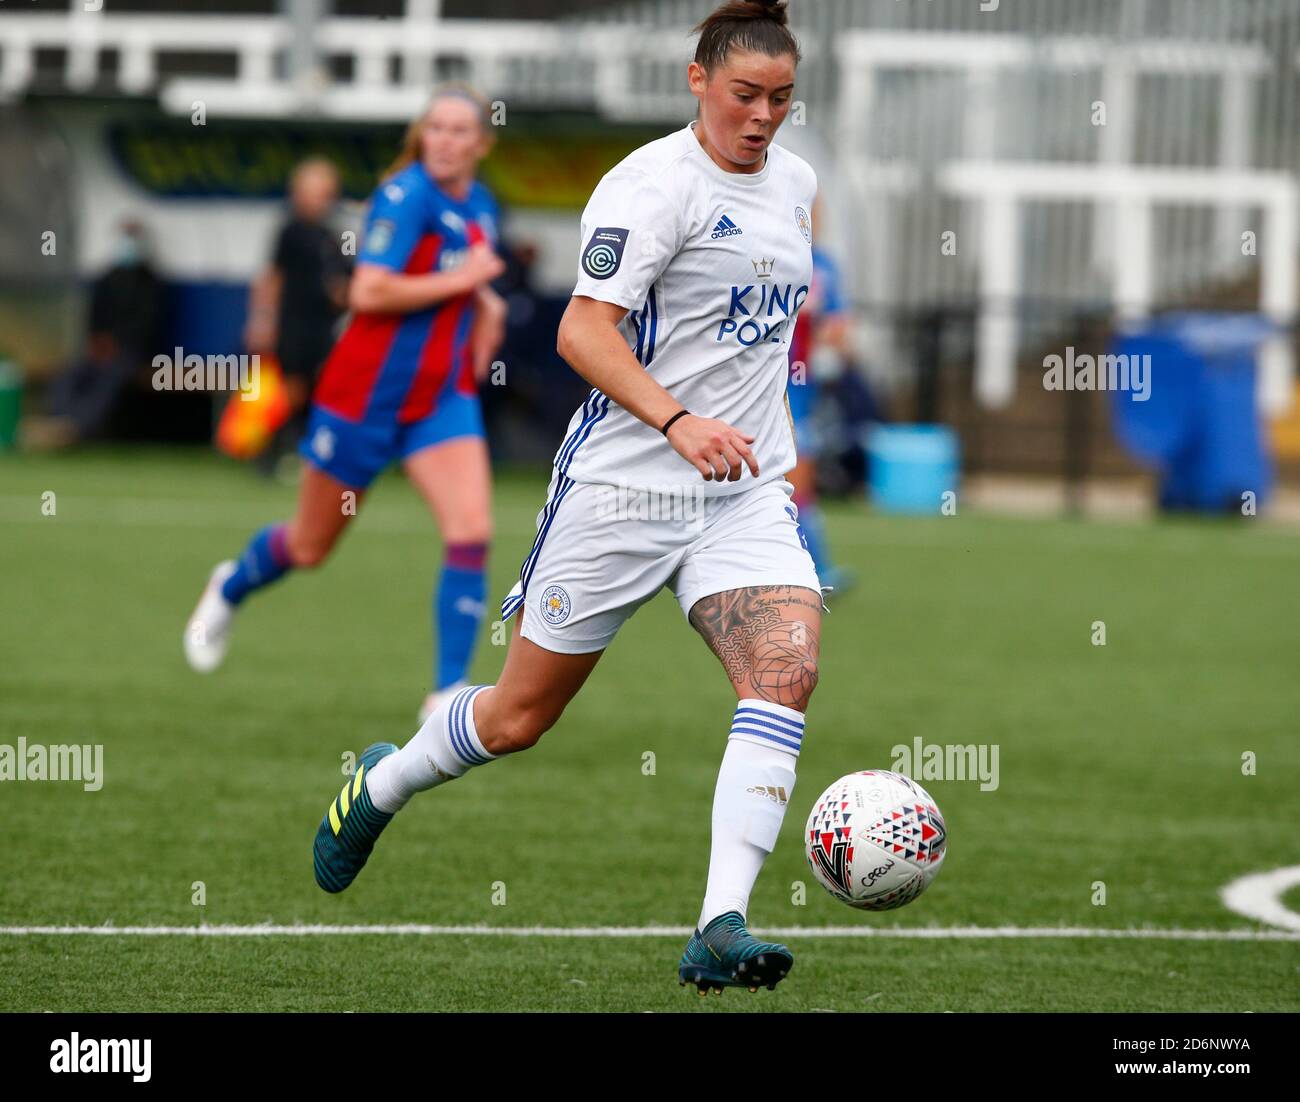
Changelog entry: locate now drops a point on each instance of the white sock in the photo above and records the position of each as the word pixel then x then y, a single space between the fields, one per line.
pixel 446 747
pixel 755 784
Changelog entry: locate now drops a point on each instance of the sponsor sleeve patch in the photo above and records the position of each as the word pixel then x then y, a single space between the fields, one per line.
pixel 379 238
pixel 603 254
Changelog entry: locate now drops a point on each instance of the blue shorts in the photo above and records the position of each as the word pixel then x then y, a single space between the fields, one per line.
pixel 802 398
pixel 355 452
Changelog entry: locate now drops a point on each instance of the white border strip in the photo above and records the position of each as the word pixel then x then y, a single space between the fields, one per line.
pixel 922 933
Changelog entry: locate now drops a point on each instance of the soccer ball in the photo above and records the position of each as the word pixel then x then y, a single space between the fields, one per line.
pixel 875 840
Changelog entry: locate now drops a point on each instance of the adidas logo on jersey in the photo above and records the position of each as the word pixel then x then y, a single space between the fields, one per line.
pixel 726 228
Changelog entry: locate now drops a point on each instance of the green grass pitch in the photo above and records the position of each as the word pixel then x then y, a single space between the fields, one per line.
pixel 1119 763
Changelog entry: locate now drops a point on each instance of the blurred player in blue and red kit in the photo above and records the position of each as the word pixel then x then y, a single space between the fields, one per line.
pixel 400 385
pixel 819 350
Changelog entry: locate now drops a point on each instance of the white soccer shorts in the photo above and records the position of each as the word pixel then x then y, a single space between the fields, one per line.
pixel 602 551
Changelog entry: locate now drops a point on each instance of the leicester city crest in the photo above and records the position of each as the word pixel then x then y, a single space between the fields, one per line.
pixel 556 605
pixel 804 223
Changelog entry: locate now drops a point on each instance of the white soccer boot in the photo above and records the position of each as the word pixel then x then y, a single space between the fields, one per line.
pixel 208 632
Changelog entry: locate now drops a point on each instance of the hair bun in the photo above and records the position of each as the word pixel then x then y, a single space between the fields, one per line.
pixel 757 25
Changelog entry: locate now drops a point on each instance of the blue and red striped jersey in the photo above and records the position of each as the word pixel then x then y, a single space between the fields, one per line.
pixel 825 300
pixel 394 366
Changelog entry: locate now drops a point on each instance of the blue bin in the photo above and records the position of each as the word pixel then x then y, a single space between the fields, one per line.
pixel 911 467
pixel 1200 428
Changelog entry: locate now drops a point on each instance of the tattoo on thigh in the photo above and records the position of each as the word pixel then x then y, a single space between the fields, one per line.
pixel 750 632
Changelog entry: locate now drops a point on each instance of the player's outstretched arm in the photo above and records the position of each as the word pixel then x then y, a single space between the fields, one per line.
pixel 589 341
pixel 489 331
pixel 377 289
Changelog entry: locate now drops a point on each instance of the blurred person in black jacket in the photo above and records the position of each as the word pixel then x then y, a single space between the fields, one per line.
pixel 295 302
pixel 127 307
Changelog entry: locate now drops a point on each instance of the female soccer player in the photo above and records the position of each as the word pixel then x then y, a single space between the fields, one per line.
pixel 400 385
pixel 697 255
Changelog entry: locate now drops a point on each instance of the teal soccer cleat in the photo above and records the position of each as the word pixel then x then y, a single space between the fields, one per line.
pixel 350 827
pixel 725 954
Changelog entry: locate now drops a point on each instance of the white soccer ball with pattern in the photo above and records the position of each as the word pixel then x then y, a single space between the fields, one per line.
pixel 875 840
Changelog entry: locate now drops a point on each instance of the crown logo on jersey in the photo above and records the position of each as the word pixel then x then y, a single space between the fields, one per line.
pixel 726 228
pixel 763 268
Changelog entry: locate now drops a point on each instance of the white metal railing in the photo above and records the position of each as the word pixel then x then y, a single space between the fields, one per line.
pixel 139 39
pixel 601 67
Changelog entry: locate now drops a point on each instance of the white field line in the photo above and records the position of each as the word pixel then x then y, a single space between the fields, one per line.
pixel 224 514
pixel 1259 896
pixel 919 933
pixel 217 515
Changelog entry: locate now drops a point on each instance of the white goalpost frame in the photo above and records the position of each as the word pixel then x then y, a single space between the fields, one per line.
pixel 487 48
pixel 864 55
pixel 1123 193
pixel 1001 188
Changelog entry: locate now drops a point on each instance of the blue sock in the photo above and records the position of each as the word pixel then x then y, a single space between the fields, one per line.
pixel 458 610
pixel 265 560
pixel 814 533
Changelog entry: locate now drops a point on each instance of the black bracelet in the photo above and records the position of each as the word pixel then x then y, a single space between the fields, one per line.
pixel 674 419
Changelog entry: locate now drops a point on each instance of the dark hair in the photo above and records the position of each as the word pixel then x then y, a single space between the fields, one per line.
pixel 759 26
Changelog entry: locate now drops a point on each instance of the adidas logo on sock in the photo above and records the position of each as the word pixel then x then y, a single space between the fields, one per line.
pixel 467 606
pixel 770 792
pixel 726 228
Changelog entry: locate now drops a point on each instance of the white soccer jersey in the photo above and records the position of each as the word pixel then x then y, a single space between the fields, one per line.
pixel 713 267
